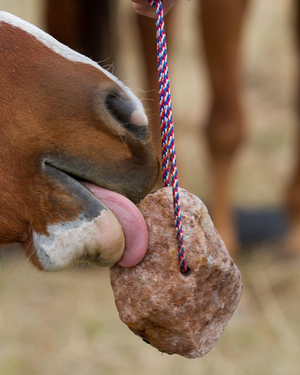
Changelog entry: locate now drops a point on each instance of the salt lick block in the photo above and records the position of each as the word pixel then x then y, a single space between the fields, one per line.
pixel 178 314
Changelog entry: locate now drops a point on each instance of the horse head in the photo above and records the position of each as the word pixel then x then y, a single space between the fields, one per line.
pixel 74 143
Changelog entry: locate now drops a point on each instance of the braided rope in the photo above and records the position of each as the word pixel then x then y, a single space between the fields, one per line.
pixel 169 163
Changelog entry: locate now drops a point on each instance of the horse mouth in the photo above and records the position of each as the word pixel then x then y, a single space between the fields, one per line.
pixel 95 197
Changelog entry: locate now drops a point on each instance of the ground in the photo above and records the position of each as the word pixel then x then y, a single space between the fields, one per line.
pixel 67 323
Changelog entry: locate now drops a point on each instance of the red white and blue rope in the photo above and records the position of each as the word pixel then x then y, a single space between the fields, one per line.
pixel 169 164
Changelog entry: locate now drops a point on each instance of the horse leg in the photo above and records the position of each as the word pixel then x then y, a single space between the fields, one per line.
pixel 85 26
pixel 221 23
pixel 293 193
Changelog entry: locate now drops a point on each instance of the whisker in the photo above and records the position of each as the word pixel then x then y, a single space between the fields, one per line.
pixel 145 91
pixel 102 61
pixel 131 79
pixel 152 116
pixel 147 100
pixel 110 67
pixel 118 97
pixel 23 260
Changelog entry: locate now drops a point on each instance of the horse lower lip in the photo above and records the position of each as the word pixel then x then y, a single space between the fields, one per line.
pixel 131 220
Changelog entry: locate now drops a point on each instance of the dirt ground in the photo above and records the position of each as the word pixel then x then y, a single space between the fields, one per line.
pixel 67 323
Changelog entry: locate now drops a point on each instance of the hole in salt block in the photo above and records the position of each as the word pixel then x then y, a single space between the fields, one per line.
pixel 187 272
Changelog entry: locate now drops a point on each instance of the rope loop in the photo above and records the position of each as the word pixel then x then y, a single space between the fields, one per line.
pixel 169 162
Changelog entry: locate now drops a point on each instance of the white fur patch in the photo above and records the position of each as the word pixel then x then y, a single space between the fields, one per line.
pixel 138 118
pixel 70 241
pixel 66 52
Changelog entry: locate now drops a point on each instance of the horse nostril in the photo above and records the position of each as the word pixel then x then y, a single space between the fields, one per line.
pixel 119 107
pixel 125 112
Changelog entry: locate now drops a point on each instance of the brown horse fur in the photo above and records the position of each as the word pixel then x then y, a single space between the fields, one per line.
pixel 55 125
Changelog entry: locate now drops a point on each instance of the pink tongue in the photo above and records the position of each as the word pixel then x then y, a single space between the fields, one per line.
pixel 131 220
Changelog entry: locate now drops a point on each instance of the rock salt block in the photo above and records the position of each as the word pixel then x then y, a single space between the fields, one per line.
pixel 176 313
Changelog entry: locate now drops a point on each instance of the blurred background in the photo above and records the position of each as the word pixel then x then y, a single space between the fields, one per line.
pixel 67 323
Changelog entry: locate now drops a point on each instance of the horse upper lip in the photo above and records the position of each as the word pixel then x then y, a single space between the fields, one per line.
pixel 75 178
pixel 71 175
pixel 130 177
